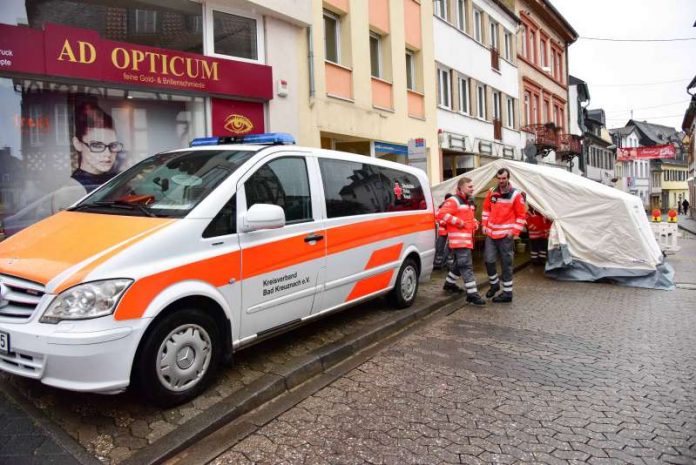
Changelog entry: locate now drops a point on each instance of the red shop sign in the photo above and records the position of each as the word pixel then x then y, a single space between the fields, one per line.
pixel 83 54
pixel 233 118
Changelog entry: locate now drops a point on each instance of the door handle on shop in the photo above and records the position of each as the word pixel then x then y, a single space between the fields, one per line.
pixel 313 238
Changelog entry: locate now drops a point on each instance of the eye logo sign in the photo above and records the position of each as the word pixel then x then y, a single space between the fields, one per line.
pixel 238 124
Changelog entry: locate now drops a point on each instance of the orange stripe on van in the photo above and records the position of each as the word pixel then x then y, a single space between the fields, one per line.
pixel 370 285
pixel 281 254
pixel 350 236
pixel 78 276
pixel 217 271
pixel 383 256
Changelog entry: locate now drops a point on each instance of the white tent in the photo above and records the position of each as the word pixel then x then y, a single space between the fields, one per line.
pixel 598 232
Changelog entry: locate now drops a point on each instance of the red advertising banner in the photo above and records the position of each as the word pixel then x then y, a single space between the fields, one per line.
pixel 646 153
pixel 234 118
pixel 80 53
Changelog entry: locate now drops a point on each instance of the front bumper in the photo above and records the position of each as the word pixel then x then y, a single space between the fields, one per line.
pixel 89 356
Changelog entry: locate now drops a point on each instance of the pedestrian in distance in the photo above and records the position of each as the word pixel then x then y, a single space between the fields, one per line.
pixel 503 220
pixel 458 214
pixel 685 206
pixel 441 249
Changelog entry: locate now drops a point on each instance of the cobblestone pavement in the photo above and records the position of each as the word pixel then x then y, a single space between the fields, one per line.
pixel 568 373
pixel 23 442
pixel 112 428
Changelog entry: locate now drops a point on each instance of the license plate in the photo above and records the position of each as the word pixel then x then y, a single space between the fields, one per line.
pixel 4 342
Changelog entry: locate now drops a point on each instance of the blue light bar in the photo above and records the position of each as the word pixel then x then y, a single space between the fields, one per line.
pixel 270 138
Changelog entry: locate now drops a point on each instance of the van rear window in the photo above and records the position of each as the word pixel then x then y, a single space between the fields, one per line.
pixel 353 188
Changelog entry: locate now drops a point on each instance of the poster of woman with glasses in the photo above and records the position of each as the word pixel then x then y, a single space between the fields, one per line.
pixel 96 147
pixel 65 140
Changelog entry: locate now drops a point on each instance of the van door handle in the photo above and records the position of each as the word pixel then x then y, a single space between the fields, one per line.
pixel 313 238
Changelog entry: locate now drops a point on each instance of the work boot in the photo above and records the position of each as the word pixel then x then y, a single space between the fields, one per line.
pixel 491 292
pixel 453 288
pixel 505 297
pixel 475 299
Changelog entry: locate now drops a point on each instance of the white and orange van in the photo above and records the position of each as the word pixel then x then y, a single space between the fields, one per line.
pixel 158 276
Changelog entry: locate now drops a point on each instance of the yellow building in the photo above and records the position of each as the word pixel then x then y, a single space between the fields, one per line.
pixel 371 78
pixel 674 183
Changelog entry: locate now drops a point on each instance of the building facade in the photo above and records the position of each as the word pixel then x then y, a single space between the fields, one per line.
pixel 578 101
pixel 599 150
pixel 371 81
pixel 542 52
pixel 633 176
pixel 477 83
pixel 122 80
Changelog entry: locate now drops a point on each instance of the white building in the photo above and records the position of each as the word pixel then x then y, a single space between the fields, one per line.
pixel 478 83
pixel 632 176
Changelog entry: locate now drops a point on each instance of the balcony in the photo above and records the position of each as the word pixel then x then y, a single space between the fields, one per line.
pixel 569 146
pixel 545 137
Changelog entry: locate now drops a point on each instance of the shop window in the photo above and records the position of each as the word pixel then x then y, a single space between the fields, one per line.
pixel 283 182
pixel 65 140
pixel 235 35
pixel 174 24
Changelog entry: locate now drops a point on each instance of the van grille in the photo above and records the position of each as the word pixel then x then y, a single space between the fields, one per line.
pixel 18 297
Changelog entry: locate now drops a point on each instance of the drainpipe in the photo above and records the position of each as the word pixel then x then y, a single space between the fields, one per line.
pixel 310 58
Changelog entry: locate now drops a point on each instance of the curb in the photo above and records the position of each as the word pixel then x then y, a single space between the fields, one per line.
pixel 281 381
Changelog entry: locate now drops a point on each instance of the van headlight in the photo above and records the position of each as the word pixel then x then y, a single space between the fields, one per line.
pixel 85 301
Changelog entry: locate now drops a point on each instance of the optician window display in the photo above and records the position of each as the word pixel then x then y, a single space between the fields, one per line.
pixel 64 140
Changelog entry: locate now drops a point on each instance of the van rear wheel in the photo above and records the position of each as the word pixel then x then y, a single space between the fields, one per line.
pixel 179 358
pixel 406 287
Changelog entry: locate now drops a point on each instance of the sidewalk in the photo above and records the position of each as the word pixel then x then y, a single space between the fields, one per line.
pixel 687 223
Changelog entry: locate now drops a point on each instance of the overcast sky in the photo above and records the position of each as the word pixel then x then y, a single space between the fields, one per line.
pixel 612 69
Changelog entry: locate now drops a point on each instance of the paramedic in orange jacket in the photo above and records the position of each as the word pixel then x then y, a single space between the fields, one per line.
pixel 538 227
pixel 458 215
pixel 441 249
pixel 503 220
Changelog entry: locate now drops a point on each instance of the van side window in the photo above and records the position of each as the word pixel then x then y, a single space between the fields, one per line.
pixel 225 222
pixel 283 182
pixel 406 189
pixel 352 188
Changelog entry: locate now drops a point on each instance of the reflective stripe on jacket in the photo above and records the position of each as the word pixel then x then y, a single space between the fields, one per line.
pixel 457 214
pixel 538 226
pixel 503 214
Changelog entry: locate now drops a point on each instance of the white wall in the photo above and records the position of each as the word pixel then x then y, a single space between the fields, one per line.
pixel 573 109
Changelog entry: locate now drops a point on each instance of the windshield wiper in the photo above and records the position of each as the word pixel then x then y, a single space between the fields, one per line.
pixel 117 204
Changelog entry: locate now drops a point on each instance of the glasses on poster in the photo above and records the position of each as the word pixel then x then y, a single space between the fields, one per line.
pixel 98 147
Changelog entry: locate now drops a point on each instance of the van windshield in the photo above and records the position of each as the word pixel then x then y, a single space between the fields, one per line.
pixel 169 184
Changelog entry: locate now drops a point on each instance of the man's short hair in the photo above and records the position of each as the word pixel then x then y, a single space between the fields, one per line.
pixel 463 181
pixel 503 171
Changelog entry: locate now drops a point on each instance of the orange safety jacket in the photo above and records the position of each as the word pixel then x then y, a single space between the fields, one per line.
pixel 503 214
pixel 538 225
pixel 457 214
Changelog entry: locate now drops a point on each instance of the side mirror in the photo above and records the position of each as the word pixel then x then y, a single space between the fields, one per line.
pixel 263 216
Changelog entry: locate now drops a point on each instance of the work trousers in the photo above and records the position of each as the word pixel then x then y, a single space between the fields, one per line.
pixel 463 266
pixel 441 252
pixel 505 250
pixel 538 249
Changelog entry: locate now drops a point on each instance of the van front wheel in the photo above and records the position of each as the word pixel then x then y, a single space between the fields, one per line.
pixel 179 358
pixel 406 287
